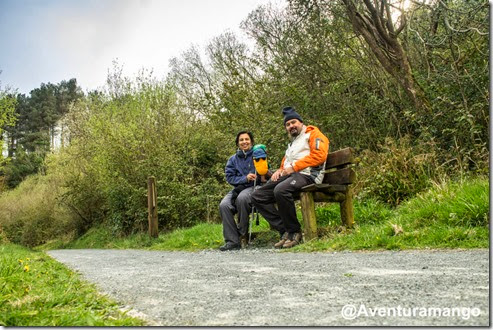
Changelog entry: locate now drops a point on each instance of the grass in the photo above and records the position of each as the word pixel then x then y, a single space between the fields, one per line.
pixel 196 238
pixel 449 215
pixel 35 290
pixel 454 204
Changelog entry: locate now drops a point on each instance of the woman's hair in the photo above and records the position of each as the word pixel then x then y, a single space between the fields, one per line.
pixel 244 132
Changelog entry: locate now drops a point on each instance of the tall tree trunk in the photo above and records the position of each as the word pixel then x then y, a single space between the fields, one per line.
pixel 11 147
pixel 51 131
pixel 375 26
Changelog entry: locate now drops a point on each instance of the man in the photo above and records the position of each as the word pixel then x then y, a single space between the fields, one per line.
pixel 302 164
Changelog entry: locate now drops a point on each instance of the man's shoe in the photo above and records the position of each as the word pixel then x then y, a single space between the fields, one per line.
pixel 283 240
pixel 229 246
pixel 294 239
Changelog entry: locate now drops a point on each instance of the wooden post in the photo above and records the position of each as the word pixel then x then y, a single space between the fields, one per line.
pixel 346 207
pixel 208 211
pixel 308 212
pixel 152 206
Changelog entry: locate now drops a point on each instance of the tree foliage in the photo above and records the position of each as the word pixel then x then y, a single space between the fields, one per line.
pixel 8 104
pixel 35 128
pixel 120 138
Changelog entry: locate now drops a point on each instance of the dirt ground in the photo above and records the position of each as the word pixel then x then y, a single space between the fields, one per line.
pixel 270 288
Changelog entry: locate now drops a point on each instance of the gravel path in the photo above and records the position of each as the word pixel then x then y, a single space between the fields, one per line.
pixel 267 287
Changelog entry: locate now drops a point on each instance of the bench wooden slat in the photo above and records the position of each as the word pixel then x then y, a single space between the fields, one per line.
pixel 344 176
pixel 340 158
pixel 325 187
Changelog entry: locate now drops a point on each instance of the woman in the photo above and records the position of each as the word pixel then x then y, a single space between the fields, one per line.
pixel 240 173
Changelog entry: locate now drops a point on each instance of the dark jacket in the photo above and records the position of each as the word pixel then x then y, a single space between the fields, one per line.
pixel 238 167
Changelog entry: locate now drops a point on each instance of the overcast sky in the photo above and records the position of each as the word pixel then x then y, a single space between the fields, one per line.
pixel 45 41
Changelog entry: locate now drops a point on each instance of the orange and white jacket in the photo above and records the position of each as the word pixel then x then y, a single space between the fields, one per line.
pixel 307 153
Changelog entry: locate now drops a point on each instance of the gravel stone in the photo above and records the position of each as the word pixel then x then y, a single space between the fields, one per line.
pixel 262 287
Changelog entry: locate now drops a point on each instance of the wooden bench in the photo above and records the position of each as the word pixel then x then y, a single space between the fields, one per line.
pixel 335 187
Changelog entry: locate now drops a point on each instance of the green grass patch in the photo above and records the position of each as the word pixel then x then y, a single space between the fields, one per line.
pixel 382 237
pixel 199 237
pixel 463 204
pixel 449 215
pixel 35 290
pixel 209 236
pixel 101 237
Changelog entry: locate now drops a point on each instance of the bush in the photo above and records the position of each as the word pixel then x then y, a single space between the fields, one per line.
pixel 21 166
pixel 398 171
pixel 119 140
pixel 3 237
pixel 81 193
pixel 31 214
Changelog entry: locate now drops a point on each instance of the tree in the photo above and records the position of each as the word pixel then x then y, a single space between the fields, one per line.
pixel 373 21
pixel 33 133
pixel 8 103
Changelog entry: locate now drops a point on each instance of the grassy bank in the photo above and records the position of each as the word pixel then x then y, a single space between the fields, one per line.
pixel 38 291
pixel 449 215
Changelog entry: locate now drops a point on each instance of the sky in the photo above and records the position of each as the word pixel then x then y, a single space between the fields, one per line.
pixel 45 41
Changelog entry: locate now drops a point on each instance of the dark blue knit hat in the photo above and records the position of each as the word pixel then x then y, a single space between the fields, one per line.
pixel 290 113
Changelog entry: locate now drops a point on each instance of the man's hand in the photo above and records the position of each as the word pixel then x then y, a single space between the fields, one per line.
pixel 288 170
pixel 251 177
pixel 276 175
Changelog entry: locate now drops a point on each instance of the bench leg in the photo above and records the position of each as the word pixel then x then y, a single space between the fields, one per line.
pixel 308 212
pixel 346 206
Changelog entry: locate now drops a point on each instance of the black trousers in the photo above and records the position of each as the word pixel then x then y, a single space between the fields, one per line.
pixel 280 192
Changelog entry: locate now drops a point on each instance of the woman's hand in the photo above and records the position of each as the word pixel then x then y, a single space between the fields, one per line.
pixel 251 176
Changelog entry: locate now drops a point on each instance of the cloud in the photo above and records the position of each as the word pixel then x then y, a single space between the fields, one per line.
pixel 60 40
pixel 87 39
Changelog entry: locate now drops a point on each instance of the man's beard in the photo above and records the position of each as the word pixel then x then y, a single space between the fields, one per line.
pixel 294 133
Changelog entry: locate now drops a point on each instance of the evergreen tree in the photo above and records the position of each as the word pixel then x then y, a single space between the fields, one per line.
pixel 35 129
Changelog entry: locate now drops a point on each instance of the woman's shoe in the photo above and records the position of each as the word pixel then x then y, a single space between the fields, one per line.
pixel 229 246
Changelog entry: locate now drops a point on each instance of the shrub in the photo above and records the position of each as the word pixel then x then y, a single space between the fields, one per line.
pixel 119 140
pixel 22 165
pixel 398 171
pixel 31 214
pixel 81 193
pixel 3 237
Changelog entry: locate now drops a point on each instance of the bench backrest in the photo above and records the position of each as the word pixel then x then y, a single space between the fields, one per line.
pixel 338 167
